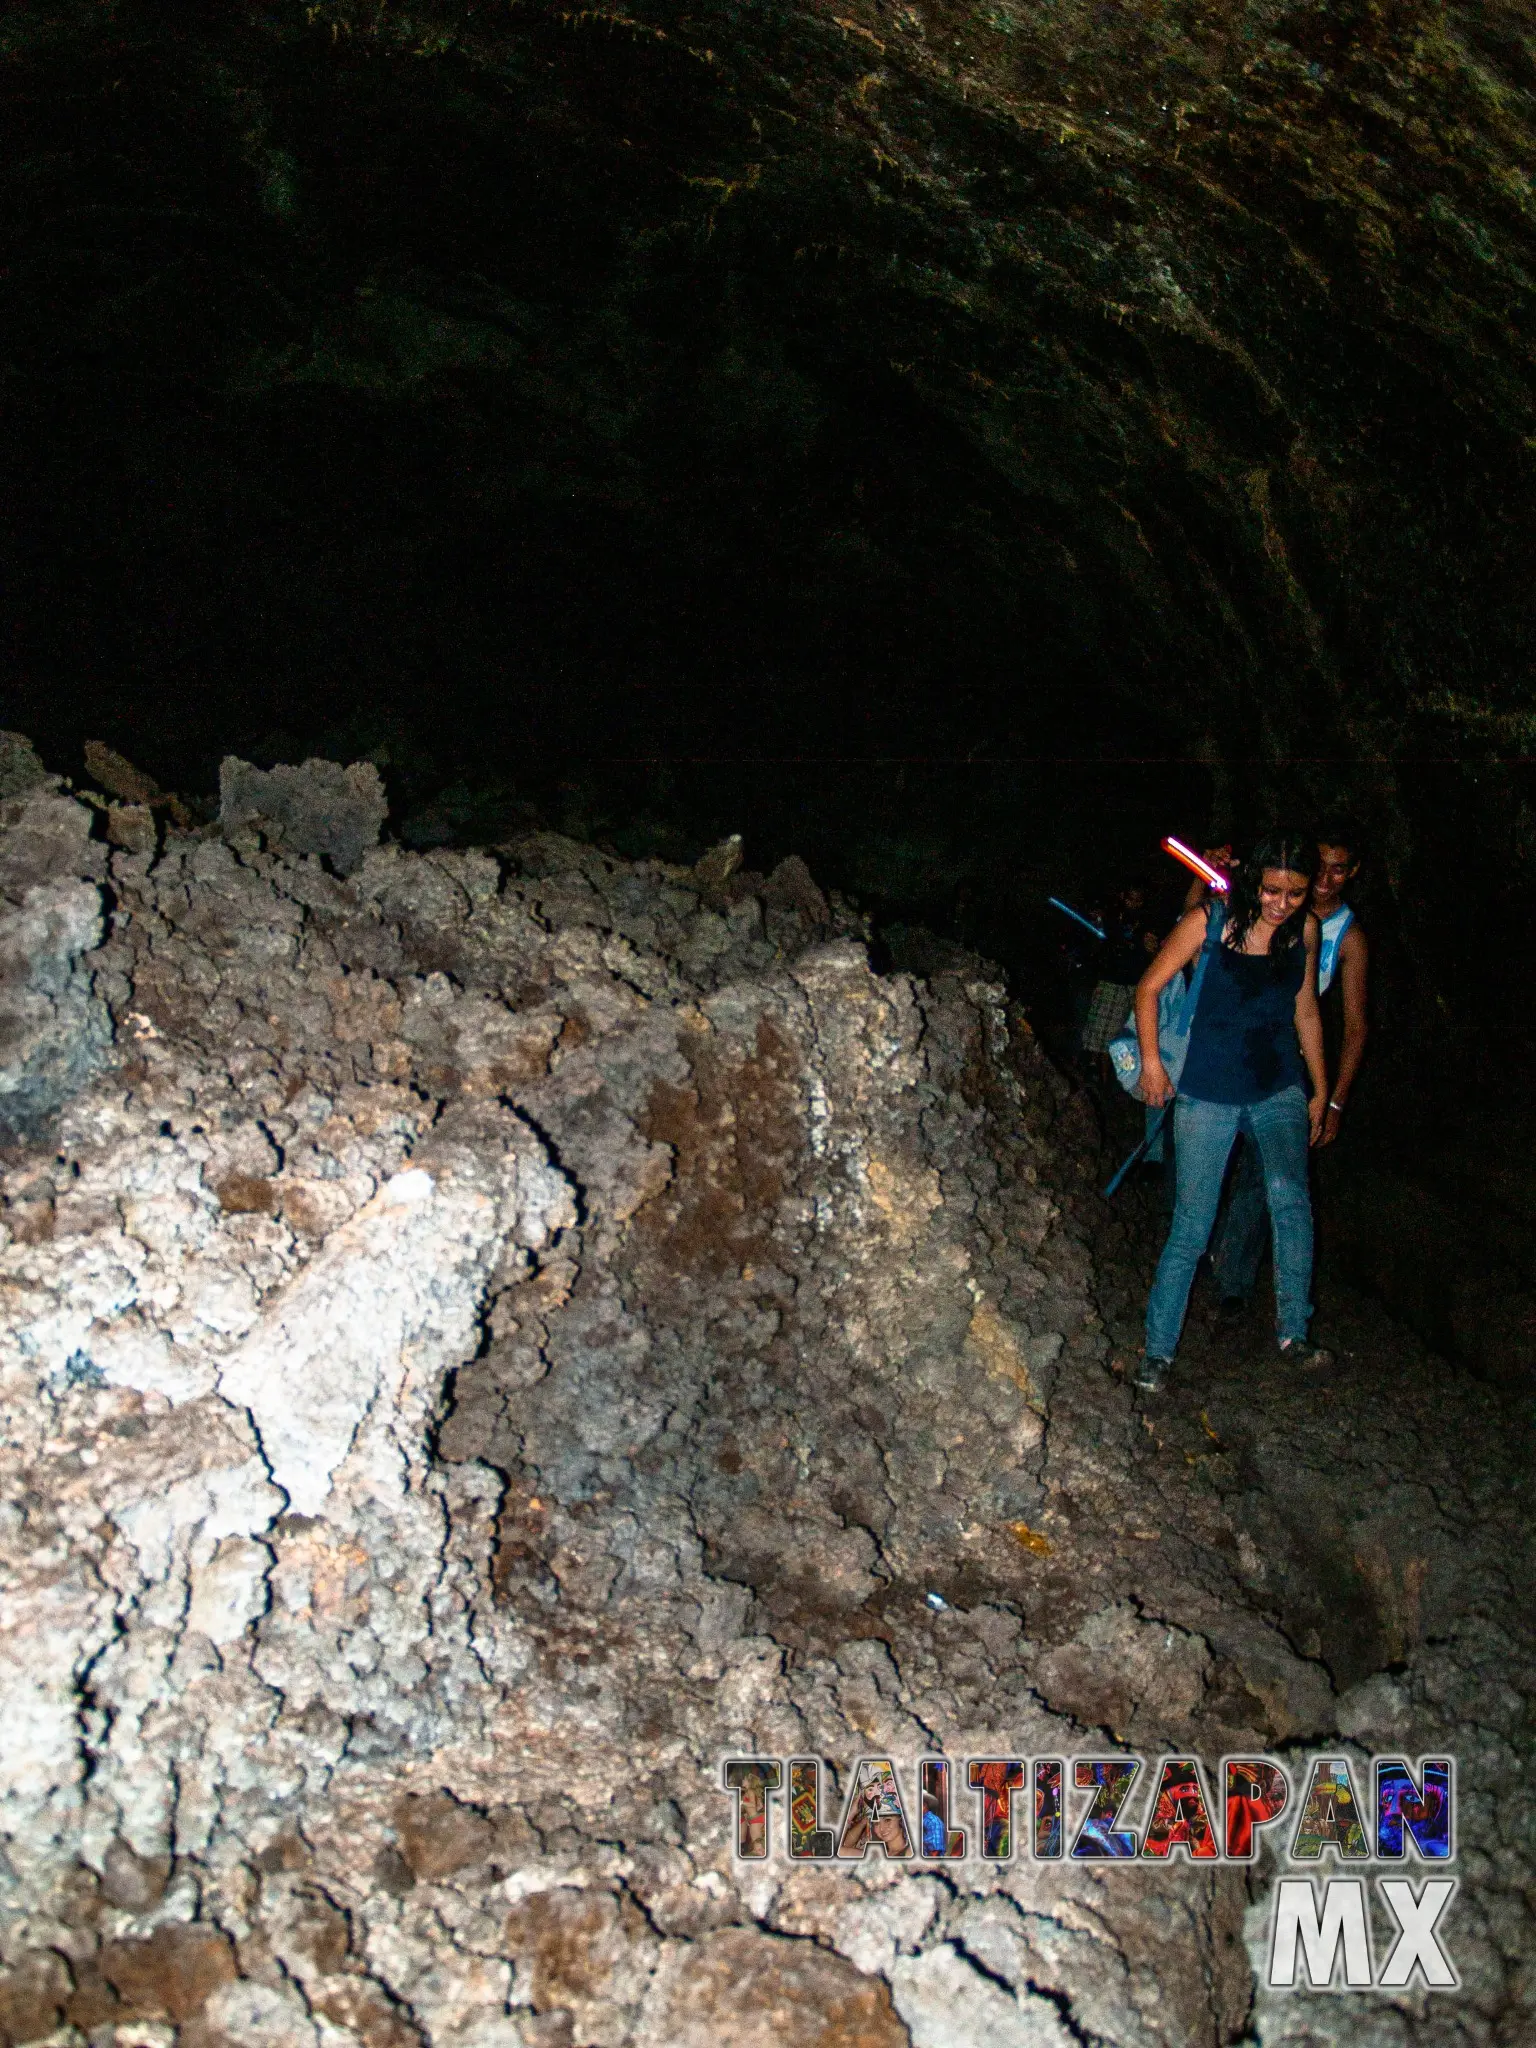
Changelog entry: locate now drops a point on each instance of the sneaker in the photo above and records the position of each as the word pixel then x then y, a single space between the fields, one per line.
pixel 1305 1357
pixel 1151 1374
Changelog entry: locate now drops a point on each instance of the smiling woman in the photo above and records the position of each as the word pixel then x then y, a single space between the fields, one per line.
pixel 1254 1069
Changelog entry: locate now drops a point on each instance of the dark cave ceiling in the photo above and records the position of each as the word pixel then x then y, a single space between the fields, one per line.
pixel 766 381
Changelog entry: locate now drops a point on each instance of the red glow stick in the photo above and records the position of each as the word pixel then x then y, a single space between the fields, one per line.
pixel 1213 877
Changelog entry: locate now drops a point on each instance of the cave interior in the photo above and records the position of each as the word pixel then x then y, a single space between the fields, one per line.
pixel 957 445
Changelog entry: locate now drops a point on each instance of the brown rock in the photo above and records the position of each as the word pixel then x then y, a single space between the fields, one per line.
pixel 286 1852
pixel 439 1836
pixel 132 827
pixel 792 887
pixel 315 1208
pixel 31 1222
pixel 32 1997
pixel 242 1194
pixel 558 1938
pixel 715 868
pixel 760 1991
pixel 117 775
pixel 392 1873
pixel 93 2003
pixel 321 1933
pixel 320 808
pixel 172 1975
pixel 360 2006
pixel 132 1881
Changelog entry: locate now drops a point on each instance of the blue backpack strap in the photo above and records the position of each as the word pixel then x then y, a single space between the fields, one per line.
pixel 1215 919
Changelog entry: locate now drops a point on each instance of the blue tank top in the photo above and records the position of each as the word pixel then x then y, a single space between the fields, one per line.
pixel 1243 1044
pixel 1332 937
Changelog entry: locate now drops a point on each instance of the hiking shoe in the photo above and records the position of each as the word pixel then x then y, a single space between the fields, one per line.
pixel 1305 1357
pixel 1151 1374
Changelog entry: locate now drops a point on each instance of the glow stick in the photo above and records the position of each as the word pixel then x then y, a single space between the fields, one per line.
pixel 1057 904
pixel 1213 877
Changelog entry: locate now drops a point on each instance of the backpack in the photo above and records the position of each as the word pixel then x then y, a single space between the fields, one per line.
pixel 1176 1007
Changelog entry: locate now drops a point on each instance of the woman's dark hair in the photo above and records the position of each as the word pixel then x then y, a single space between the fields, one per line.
pixel 1294 852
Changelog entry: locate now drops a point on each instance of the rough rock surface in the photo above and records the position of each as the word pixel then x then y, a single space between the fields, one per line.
pixel 321 808
pixel 506 1333
pixel 52 1028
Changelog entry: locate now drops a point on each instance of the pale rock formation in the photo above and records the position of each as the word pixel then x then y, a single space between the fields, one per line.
pixel 499 1336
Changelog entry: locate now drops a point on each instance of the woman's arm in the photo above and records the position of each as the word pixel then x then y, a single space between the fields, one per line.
pixel 1309 1029
pixel 1176 951
pixel 1354 970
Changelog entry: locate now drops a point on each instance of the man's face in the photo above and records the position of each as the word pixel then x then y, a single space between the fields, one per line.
pixel 1336 868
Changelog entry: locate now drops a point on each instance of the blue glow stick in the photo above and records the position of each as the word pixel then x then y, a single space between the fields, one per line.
pixel 1057 904
pixel 1137 1154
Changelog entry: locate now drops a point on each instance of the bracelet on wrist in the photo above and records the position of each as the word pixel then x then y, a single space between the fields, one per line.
pixel 1338 1106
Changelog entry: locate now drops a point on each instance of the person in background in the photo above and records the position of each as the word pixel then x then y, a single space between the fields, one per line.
pixel 1343 970
pixel 1128 941
pixel 1254 1065
pixel 1078 953
pixel 1344 961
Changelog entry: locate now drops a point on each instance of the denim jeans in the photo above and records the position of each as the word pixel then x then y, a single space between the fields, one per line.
pixel 1203 1137
pixel 1240 1230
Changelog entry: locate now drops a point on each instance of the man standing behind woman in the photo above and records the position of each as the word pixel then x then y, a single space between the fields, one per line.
pixel 1343 964
pixel 1129 941
pixel 1254 1066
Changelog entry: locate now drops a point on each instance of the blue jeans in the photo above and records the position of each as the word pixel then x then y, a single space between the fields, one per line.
pixel 1240 1233
pixel 1203 1137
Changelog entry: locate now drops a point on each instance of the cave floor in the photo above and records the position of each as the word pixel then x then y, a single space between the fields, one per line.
pixel 1383 1517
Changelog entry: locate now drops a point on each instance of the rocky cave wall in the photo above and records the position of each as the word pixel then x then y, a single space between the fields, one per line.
pixel 494 1333
pixel 978 382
